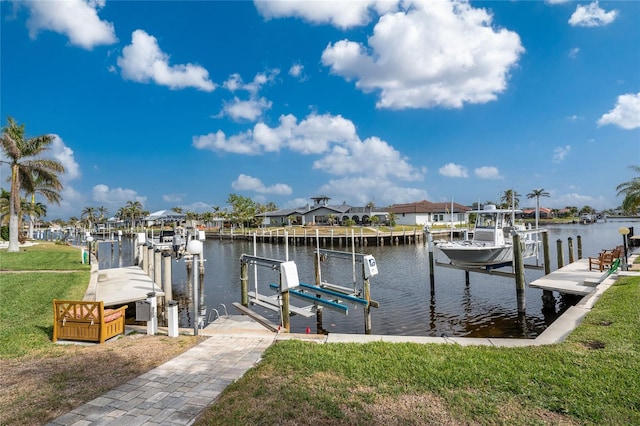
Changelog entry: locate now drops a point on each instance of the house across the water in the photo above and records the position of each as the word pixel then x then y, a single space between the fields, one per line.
pixel 323 213
pixel 427 213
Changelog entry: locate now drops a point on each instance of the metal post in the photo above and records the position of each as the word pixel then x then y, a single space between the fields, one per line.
pixel 316 267
pixel 196 310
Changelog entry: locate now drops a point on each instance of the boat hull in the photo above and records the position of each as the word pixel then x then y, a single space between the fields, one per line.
pixel 472 255
pixel 477 255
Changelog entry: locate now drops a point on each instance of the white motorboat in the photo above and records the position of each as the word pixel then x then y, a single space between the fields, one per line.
pixel 492 241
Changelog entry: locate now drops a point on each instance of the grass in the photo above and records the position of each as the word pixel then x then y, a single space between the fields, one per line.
pixel 40 380
pixel 26 319
pixel 592 378
pixel 43 256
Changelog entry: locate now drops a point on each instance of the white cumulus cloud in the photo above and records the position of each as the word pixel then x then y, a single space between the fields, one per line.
pixel 115 197
pixel 235 81
pixel 246 110
pixel 250 183
pixel 77 19
pixel 372 157
pixel 342 14
pixel 313 135
pixel 64 155
pixel 625 114
pixel 241 143
pixel 440 53
pixel 453 170
pixel 297 71
pixel 592 15
pixel 143 61
pixel 487 172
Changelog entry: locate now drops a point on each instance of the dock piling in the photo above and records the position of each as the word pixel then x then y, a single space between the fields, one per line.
pixel 579 238
pixel 548 301
pixel 432 278
pixel 518 263
pixel 560 253
pixel 570 246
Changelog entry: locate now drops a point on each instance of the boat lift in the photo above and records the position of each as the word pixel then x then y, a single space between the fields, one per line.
pixel 322 294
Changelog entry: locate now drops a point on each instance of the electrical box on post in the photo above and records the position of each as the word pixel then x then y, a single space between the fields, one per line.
pixel 201 236
pixel 288 276
pixel 143 310
pixel 370 266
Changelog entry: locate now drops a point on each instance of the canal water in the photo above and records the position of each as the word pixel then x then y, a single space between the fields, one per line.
pixel 486 307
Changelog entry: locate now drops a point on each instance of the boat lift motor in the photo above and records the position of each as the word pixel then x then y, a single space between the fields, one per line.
pixel 370 267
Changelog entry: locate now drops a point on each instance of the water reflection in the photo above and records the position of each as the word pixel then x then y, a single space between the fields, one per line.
pixel 483 307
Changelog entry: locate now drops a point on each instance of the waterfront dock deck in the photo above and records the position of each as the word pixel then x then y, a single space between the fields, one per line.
pixel 574 278
pixel 119 286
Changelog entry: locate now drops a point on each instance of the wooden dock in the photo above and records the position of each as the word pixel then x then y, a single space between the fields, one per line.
pixel 574 278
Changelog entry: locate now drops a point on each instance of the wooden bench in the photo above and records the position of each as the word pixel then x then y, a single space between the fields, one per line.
pixel 87 321
pixel 605 259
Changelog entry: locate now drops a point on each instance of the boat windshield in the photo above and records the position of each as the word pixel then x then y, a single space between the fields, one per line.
pixel 488 221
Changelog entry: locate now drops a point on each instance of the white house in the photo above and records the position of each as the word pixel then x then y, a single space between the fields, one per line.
pixel 428 213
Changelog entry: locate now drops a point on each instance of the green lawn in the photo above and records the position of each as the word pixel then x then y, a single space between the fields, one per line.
pixel 592 378
pixel 26 309
pixel 43 256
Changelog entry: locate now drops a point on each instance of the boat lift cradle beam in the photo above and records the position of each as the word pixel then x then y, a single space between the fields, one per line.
pixel 261 261
pixel 487 271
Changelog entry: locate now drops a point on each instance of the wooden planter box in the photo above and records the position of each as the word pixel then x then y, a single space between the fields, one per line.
pixel 87 321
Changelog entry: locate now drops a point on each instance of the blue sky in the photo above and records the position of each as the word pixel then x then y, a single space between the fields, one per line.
pixel 183 103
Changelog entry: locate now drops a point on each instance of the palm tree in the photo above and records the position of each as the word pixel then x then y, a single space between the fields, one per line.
pixel 103 212
pixel 207 217
pixel 25 168
pixel 631 192
pixel 43 188
pixel 90 214
pixel 510 199
pixel 35 211
pixel 537 193
pixel 5 196
pixel 134 210
pixel 392 219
